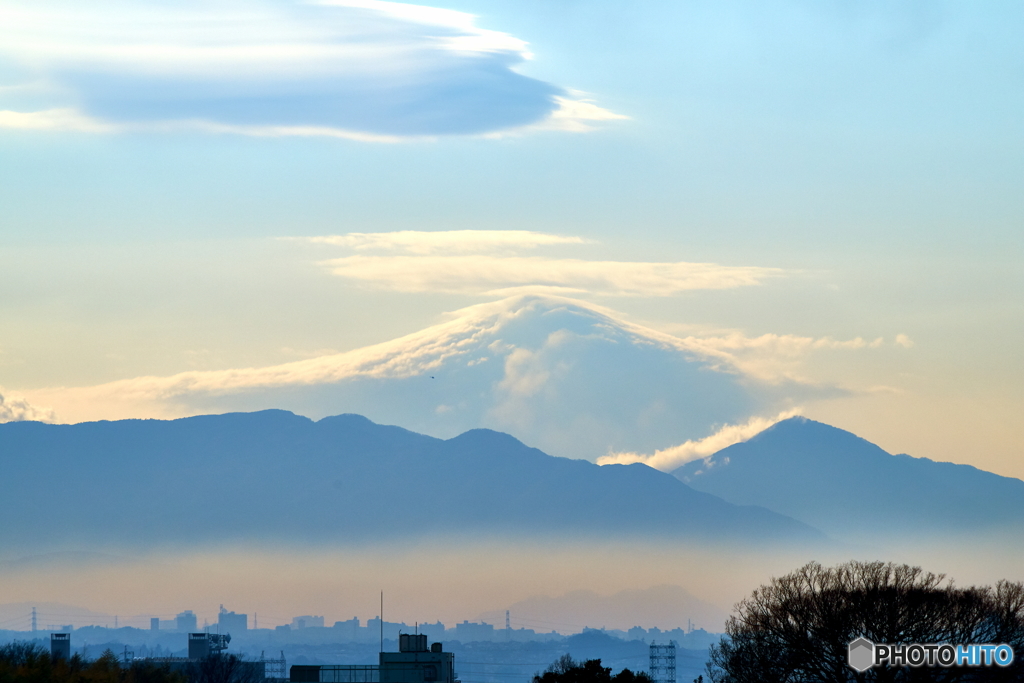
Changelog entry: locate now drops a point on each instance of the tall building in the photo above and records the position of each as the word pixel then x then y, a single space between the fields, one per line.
pixel 468 632
pixel 186 622
pixel 230 622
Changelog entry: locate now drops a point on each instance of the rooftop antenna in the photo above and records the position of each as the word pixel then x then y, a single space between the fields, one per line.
pixel 382 621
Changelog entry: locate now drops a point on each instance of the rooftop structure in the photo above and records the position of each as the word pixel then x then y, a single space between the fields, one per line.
pixel 413 663
pixel 60 646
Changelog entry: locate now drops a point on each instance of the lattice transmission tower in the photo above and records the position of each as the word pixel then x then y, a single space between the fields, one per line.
pixel 663 662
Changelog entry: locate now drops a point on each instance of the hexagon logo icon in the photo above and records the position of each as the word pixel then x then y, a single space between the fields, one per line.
pixel 862 654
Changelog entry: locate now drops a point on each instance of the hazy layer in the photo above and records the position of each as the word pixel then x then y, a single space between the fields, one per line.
pixel 451 580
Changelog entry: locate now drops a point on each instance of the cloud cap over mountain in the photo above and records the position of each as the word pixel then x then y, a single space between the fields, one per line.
pixel 569 376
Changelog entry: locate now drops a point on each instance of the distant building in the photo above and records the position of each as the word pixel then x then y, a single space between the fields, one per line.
pixel 413 663
pixel 468 632
pixel 154 624
pixel 230 622
pixel 349 630
pixel 308 622
pixel 60 646
pixel 186 622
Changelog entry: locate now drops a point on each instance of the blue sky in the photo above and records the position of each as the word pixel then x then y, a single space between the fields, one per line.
pixel 852 170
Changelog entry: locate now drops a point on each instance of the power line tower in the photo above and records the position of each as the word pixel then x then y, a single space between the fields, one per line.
pixel 33 620
pixel 274 669
pixel 508 627
pixel 663 662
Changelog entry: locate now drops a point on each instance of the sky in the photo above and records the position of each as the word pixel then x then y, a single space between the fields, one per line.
pixel 827 191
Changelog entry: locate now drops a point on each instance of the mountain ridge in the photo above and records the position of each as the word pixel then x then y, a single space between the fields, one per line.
pixel 846 484
pixel 275 475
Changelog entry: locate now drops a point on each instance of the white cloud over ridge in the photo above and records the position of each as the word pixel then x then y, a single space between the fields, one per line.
pixel 360 69
pixel 670 458
pixel 15 408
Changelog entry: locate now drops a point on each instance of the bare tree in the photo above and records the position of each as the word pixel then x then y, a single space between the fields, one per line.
pixel 797 628
pixel 225 668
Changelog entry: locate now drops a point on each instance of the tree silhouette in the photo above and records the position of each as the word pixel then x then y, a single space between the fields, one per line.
pixel 22 662
pixel 567 670
pixel 797 628
pixel 225 668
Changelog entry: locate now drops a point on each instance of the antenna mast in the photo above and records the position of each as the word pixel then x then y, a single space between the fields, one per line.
pixel 382 621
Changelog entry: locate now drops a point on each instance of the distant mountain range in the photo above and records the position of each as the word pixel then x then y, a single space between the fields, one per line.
pixel 852 489
pixel 273 476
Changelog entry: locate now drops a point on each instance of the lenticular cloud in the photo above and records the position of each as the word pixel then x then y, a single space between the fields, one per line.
pixel 350 68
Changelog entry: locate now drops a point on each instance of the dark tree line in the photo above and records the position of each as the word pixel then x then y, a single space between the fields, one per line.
pixel 31 663
pixel 567 670
pixel 796 629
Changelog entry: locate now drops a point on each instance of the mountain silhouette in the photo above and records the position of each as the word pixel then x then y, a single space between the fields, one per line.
pixel 849 487
pixel 275 476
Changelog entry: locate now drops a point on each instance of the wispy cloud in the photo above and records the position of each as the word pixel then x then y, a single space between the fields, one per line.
pixel 447 241
pixel 65 119
pixel 488 262
pixel 15 408
pixel 671 458
pixel 775 357
pixel 360 69
pixel 483 274
pixel 406 356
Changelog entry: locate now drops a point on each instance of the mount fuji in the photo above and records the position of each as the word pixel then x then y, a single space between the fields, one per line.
pixel 566 376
